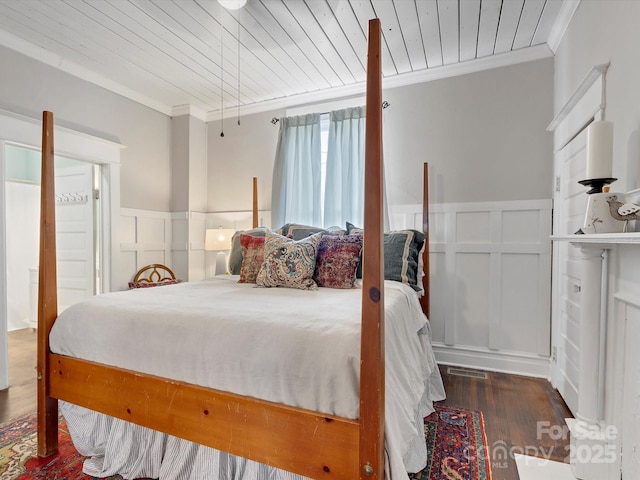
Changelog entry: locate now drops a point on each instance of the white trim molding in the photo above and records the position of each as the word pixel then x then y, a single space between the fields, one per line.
pixel 484 359
pixel 567 10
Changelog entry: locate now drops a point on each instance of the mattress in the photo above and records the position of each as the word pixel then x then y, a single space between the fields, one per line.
pixel 300 348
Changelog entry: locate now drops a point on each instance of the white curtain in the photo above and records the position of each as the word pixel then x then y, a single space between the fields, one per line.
pixel 297 172
pixel 344 190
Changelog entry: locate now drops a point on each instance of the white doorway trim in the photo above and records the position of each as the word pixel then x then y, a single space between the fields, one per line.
pixel 26 131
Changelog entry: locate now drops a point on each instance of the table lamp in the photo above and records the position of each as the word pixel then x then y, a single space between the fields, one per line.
pixel 219 240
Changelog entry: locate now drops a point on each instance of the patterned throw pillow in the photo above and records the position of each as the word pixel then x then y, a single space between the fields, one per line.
pixel 289 263
pixel 252 257
pixel 235 255
pixel 337 261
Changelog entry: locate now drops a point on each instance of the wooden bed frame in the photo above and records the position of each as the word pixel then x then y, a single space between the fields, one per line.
pixel 309 443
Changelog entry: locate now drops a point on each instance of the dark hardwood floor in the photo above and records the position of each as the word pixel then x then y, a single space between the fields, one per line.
pixel 521 414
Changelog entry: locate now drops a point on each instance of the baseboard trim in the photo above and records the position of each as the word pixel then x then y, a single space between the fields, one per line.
pixel 495 362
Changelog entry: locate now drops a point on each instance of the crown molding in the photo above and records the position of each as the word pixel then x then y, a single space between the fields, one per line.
pixel 192 110
pixel 567 10
pixel 514 57
pixel 44 56
pixel 491 62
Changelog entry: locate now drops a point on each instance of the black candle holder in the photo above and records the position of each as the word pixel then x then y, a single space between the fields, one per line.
pixel 596 184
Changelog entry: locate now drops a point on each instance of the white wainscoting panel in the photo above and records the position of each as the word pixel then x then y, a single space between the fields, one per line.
pixel 145 238
pixel 173 239
pixel 490 282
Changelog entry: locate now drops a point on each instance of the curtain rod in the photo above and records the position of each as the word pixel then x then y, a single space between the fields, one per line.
pixel 275 120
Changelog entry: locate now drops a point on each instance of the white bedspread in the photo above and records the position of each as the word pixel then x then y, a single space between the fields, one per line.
pixel 290 346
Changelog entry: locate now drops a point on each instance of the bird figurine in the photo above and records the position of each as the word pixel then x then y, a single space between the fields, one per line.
pixel 623 211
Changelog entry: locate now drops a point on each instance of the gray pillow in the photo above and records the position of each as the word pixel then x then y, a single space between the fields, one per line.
pixel 402 250
pixel 402 256
pixel 298 231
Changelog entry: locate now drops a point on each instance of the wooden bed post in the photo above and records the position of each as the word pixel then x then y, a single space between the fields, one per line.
pixel 372 372
pixel 255 202
pixel 425 300
pixel 47 294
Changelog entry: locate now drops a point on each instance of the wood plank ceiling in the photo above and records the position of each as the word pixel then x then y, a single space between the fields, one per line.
pixel 170 53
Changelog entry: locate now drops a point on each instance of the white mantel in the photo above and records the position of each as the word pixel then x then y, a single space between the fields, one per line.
pixel 609 358
pixel 607 240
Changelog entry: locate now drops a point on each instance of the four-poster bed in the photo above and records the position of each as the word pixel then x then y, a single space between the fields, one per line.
pixel 298 439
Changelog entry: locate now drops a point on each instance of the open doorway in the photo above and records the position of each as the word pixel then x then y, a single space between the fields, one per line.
pixel 78 243
pixel 104 157
pixel 77 224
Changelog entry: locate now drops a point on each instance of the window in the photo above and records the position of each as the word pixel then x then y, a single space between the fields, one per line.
pixel 319 167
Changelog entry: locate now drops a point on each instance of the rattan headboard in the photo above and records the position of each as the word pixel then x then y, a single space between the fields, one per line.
pixel 154 273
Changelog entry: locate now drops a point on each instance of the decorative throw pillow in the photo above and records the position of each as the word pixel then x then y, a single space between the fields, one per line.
pixel 353 230
pixel 402 256
pixel 298 231
pixel 337 261
pixel 289 263
pixel 252 257
pixel 235 255
pixel 335 230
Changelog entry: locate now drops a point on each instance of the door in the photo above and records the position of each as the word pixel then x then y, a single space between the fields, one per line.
pixel 585 105
pixel 569 210
pixel 75 232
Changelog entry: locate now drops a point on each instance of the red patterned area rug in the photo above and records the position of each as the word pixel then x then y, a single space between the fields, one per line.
pixel 456 444
pixel 19 460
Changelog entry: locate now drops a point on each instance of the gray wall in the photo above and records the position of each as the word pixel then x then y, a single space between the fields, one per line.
pixel 602 32
pixel 180 163
pixel 246 151
pixel 28 87
pixel 483 135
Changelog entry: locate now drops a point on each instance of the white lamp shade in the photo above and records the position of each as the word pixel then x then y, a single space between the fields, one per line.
pixel 218 238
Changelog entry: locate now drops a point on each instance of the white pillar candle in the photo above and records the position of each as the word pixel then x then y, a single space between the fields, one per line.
pixel 599 150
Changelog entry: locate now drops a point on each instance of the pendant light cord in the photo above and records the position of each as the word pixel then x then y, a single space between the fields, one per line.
pixel 221 72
